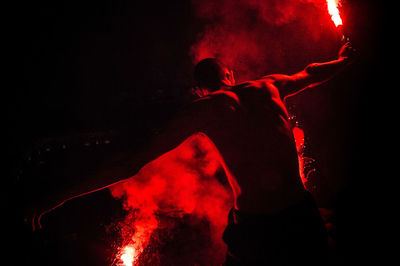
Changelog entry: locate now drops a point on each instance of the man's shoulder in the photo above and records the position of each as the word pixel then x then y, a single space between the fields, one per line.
pixel 262 87
pixel 216 97
pixel 217 101
pixel 225 95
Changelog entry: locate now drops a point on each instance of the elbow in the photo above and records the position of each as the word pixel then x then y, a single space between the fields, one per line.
pixel 315 75
pixel 311 69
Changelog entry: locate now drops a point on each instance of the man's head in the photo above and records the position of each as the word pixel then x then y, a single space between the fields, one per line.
pixel 211 74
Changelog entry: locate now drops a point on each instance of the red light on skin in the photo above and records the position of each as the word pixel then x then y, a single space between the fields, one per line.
pixel 334 11
pixel 305 163
pixel 299 138
pixel 298 135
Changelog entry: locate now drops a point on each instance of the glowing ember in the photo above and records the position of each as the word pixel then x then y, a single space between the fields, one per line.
pixel 334 11
pixel 136 230
pixel 128 256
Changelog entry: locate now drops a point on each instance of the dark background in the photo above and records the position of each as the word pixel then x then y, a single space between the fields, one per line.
pixel 94 78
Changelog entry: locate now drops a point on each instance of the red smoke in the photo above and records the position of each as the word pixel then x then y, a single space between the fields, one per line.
pixel 180 182
pixel 256 37
pixel 253 37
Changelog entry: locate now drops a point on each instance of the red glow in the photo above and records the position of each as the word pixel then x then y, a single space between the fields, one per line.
pixel 244 34
pixel 334 11
pixel 181 181
pixel 128 255
pixel 299 138
pixel 305 163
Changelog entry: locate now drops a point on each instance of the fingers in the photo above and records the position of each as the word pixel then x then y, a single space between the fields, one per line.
pixel 32 218
pixel 347 51
pixel 33 222
pixel 351 51
pixel 345 47
pixel 350 47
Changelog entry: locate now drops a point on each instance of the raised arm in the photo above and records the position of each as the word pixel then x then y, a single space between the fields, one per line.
pixel 314 74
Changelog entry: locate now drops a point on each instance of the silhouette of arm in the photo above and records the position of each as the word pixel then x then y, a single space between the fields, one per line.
pixel 123 166
pixel 313 75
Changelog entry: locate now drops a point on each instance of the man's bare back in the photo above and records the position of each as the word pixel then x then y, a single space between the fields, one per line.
pixel 249 127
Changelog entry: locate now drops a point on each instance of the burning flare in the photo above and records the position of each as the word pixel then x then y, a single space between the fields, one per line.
pixel 182 181
pixel 334 11
pixel 128 256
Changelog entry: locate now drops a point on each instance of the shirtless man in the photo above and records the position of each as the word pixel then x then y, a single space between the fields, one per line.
pixel 274 220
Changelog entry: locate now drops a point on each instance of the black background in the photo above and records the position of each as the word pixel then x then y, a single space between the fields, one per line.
pixel 109 72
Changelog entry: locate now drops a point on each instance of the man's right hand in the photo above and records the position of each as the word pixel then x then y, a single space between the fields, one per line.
pixel 347 52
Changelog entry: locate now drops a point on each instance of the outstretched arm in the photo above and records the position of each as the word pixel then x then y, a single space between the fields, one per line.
pixel 314 74
pixel 120 167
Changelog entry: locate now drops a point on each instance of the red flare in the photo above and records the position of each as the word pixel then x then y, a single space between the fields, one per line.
pixel 334 11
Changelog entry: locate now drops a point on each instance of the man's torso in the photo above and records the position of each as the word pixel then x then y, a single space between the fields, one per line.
pixel 250 128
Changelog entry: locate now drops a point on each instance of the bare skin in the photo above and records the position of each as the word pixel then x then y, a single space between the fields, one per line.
pixel 248 124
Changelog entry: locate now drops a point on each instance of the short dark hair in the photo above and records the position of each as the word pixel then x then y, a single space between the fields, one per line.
pixel 209 73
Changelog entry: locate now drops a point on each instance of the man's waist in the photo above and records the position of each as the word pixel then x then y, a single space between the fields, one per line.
pixel 268 204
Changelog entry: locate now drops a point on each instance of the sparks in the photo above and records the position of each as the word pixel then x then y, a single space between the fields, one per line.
pixel 334 11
